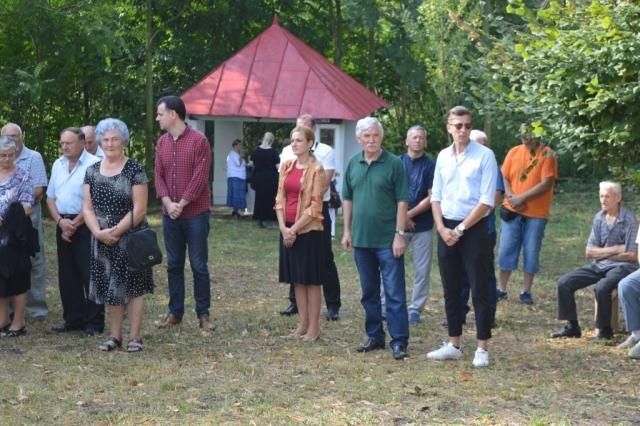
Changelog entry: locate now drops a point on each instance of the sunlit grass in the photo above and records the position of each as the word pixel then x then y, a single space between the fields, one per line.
pixel 246 372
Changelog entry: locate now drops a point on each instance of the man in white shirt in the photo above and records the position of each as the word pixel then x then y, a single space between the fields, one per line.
pixel 91 145
pixel 32 162
pixel 331 284
pixel 73 238
pixel 463 194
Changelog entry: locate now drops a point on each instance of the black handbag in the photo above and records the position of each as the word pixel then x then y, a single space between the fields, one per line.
pixel 142 249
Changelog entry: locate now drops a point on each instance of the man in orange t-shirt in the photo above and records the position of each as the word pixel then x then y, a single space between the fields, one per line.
pixel 530 171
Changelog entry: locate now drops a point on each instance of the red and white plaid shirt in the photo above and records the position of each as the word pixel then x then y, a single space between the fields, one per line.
pixel 182 171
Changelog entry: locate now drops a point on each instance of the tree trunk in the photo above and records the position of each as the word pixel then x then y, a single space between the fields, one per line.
pixel 485 28
pixel 149 139
pixel 372 57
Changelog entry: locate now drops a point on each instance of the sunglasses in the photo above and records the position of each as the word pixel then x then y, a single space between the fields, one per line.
pixel 459 125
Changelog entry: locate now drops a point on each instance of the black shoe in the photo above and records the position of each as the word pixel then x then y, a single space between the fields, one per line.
pixel 400 352
pixel 259 224
pixel 291 310
pixel 66 327
pixel 371 345
pixel 605 333
pixel 88 332
pixel 333 315
pixel 567 331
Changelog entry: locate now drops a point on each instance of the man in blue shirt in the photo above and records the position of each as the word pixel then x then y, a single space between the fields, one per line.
pixel 463 193
pixel 419 228
pixel 65 196
pixel 481 138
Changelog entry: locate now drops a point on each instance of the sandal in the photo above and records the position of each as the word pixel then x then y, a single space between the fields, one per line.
pixel 110 345
pixel 5 328
pixel 135 345
pixel 15 333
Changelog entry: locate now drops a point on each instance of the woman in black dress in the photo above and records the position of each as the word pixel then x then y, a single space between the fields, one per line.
pixel 265 161
pixel 114 189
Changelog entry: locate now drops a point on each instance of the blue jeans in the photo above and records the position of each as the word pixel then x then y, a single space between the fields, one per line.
pixel 373 263
pixel 525 232
pixel 629 294
pixel 179 234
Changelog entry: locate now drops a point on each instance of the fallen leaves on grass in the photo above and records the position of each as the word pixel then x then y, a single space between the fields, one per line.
pixel 465 377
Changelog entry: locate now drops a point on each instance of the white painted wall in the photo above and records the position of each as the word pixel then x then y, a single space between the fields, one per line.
pixel 224 134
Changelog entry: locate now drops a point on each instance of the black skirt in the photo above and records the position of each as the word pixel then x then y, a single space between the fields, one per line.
pixel 302 263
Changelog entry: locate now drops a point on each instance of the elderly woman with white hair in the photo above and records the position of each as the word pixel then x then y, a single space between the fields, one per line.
pixel 16 202
pixel 265 161
pixel 114 190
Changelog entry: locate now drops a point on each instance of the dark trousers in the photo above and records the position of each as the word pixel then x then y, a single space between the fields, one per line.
pixel 466 288
pixel 606 281
pixel 471 255
pixel 331 284
pixel 74 265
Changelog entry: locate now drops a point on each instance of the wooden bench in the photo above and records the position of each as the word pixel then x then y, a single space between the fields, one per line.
pixel 615 308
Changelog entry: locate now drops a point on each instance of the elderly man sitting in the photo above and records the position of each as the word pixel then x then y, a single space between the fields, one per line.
pixel 612 246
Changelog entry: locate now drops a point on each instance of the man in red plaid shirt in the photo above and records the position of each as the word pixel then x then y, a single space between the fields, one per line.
pixel 183 160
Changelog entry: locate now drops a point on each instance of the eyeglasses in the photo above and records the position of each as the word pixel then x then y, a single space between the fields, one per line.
pixel 13 136
pixel 5 156
pixel 459 125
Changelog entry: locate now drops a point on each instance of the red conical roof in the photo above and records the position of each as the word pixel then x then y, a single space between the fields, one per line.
pixel 278 76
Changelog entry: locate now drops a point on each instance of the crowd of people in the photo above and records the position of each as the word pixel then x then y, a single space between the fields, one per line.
pixel 97 196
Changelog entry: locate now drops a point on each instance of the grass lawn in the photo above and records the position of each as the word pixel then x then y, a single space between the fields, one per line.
pixel 247 373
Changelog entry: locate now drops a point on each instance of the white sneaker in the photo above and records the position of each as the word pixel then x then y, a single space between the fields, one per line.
pixel 629 343
pixel 481 359
pixel 446 351
pixel 635 352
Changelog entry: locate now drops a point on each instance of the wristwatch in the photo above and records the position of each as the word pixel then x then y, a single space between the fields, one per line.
pixel 460 229
pixel 401 233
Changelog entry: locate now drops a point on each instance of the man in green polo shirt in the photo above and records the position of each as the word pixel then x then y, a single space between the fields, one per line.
pixel 376 195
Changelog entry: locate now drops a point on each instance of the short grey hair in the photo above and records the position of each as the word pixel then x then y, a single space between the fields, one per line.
pixel 12 125
pixel 614 186
pixel 475 134
pixel 368 123
pixel 109 124
pixel 416 127
pixel 7 142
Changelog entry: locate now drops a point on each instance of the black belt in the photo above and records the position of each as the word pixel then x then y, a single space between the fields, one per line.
pixel 112 216
pixel 68 216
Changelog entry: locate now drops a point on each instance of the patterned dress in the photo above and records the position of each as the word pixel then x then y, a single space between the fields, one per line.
pixel 17 188
pixel 112 197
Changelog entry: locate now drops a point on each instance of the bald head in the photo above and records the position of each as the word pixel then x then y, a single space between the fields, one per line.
pixel 13 130
pixel 90 139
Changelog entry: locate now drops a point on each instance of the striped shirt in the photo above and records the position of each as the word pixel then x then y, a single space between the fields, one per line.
pixel 182 171
pixel 624 231
pixel 31 161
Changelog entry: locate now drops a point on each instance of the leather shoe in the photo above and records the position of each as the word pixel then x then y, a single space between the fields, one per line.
pixel 567 331
pixel 400 352
pixel 605 333
pixel 88 332
pixel 291 310
pixel 66 327
pixel 371 345
pixel 206 323
pixel 170 321
pixel 333 315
